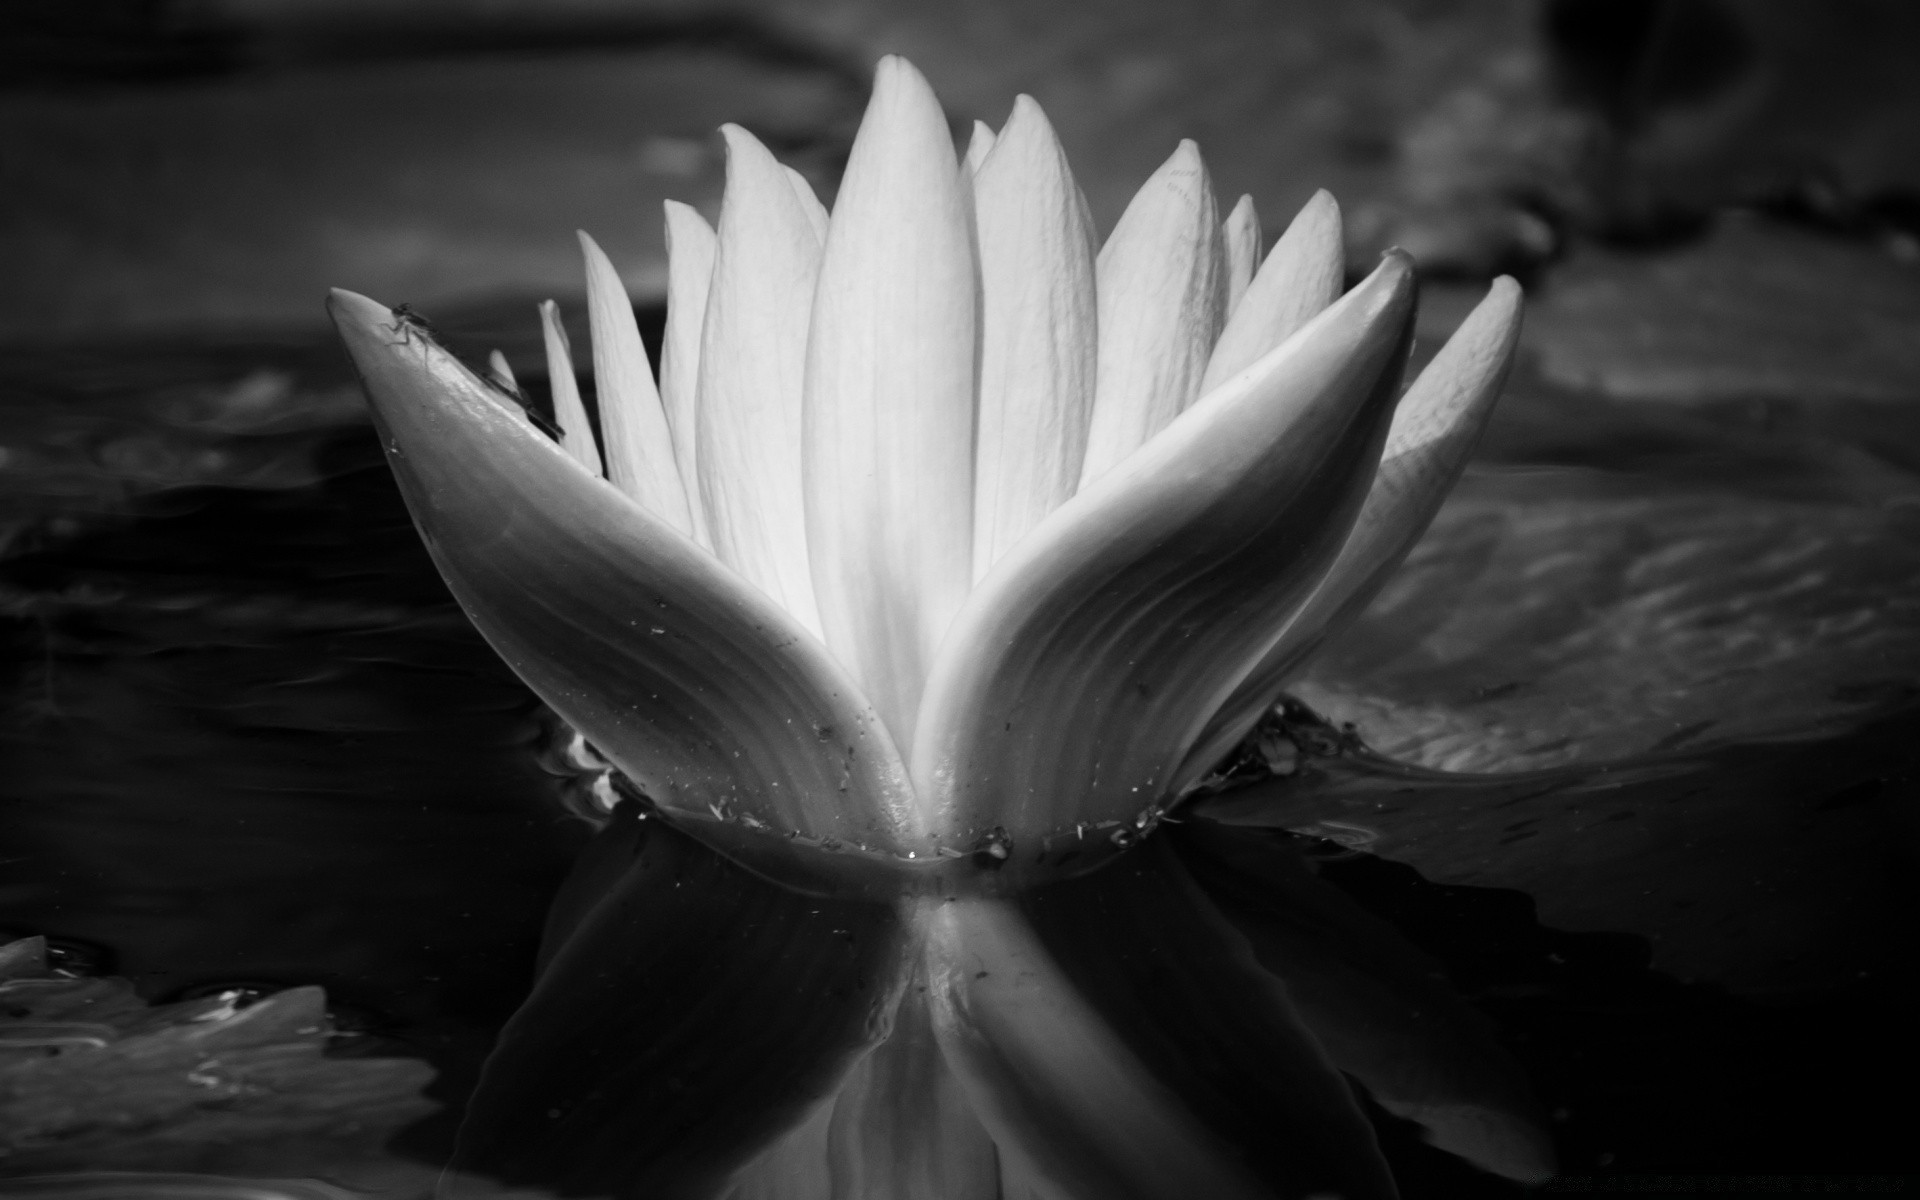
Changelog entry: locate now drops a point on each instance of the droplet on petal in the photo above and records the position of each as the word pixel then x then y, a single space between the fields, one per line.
pixel 576 431
pixel 1163 293
pixel 1299 279
pixel 889 399
pixel 633 427
pixel 690 244
pixel 752 365
pixel 1037 334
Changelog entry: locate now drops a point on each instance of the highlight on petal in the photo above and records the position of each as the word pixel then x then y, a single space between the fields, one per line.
pixel 1037 333
pixel 752 362
pixel 1299 278
pixel 633 426
pixel 690 250
pixel 1118 1040
pixel 1434 431
pixel 576 431
pixel 1077 676
pixel 979 145
pixel 1163 296
pixel 1240 234
pixel 716 703
pixel 816 211
pixel 888 455
pixel 681 1024
pixel 1381 1008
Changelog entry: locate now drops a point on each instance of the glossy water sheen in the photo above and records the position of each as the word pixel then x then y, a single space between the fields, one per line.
pixel 247 738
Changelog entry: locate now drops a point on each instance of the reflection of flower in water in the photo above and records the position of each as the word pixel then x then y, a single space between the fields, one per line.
pixel 946 557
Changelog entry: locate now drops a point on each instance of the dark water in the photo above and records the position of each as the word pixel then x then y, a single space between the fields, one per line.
pixel 247 738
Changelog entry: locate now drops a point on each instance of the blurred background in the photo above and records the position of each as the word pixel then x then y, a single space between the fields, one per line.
pixel 248 741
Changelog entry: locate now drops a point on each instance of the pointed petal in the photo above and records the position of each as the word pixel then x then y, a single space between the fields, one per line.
pixel 693 1014
pixel 1240 234
pixel 1163 295
pixel 1434 431
pixel 889 399
pixel 690 249
pixel 1070 686
pixel 1381 1008
pixel 699 688
pixel 1299 279
pixel 980 144
pixel 576 431
pixel 1037 334
pixel 502 371
pixel 816 211
pixel 633 427
pixel 752 364
pixel 1118 1039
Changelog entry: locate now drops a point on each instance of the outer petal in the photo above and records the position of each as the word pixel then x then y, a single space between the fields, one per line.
pixel 700 688
pixel 690 250
pixel 1434 431
pixel 576 431
pixel 637 446
pixel 889 399
pixel 1037 333
pixel 1163 295
pixel 1299 279
pixel 1084 665
pixel 1382 1010
pixel 1120 1042
pixel 688 1018
pixel 752 360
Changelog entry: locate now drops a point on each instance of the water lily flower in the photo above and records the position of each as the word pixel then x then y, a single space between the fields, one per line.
pixel 949 551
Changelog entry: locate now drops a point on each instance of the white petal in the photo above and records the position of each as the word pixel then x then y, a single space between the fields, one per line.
pixel 752 365
pixel 889 399
pixel 576 431
pixel 633 427
pixel 689 274
pixel 722 709
pixel 1241 233
pixel 1434 431
pixel 1299 279
pixel 816 211
pixel 1163 295
pixel 1085 664
pixel 980 144
pixel 1037 333
pixel 502 371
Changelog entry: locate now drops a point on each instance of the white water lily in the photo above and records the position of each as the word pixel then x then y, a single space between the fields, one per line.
pixel 948 551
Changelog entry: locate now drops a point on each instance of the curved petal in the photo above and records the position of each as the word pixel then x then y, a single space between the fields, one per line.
pixel 1240 236
pixel 1120 1042
pixel 1084 665
pixel 576 431
pixel 1163 296
pixel 979 145
pixel 1381 1009
pixel 695 684
pixel 809 203
pixel 1434 430
pixel 888 455
pixel 682 1024
pixel 752 359
pixel 1037 333
pixel 1296 282
pixel 633 427
pixel 690 250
